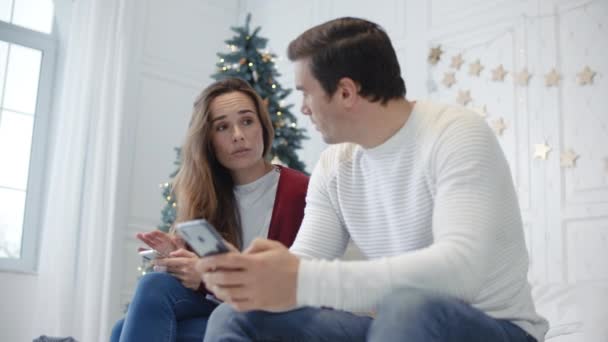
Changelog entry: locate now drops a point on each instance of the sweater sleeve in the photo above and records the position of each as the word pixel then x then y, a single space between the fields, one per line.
pixel 473 201
pixel 322 234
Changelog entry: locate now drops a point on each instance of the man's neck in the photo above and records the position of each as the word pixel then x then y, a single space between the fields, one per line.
pixel 378 123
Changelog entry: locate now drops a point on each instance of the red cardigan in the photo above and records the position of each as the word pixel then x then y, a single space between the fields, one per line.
pixel 288 210
pixel 289 203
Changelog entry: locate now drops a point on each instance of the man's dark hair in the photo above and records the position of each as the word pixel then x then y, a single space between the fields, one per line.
pixel 354 48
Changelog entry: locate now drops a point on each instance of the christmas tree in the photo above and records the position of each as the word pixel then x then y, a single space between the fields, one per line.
pixel 248 59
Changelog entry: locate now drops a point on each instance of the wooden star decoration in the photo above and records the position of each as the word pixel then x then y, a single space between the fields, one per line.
pixel 435 55
pixel 448 79
pixel 464 97
pixel 499 74
pixel 481 111
pixel 522 78
pixel 457 61
pixel 568 159
pixel 586 76
pixel 499 126
pixel 475 68
pixel 552 78
pixel 541 151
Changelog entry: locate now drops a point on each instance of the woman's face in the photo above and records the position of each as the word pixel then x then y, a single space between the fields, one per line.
pixel 236 132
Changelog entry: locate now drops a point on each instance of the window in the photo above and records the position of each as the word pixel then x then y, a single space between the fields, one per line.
pixel 27 58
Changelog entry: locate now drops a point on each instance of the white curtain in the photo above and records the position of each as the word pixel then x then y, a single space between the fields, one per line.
pixel 80 224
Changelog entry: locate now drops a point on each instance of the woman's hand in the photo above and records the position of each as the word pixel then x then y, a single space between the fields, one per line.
pixel 182 265
pixel 162 242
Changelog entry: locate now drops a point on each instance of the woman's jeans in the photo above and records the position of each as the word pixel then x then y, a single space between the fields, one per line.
pixel 163 309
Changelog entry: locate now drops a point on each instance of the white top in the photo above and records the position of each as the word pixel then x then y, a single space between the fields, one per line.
pixel 433 207
pixel 255 202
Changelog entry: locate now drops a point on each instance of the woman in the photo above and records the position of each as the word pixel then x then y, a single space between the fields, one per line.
pixel 224 178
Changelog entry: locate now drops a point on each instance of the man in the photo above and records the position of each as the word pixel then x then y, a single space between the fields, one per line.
pixel 423 190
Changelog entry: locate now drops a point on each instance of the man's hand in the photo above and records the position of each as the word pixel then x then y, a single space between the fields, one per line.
pixel 182 265
pixel 263 277
pixel 162 242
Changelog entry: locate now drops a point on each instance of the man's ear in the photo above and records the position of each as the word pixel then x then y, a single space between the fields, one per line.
pixel 348 91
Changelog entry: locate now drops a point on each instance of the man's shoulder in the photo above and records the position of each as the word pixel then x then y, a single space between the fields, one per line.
pixel 440 120
pixel 333 158
pixel 338 154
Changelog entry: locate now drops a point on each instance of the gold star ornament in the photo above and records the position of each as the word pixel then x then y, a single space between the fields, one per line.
pixel 568 159
pixel 457 61
pixel 552 78
pixel 448 79
pixel 464 97
pixel 475 68
pixel 435 55
pixel 499 74
pixel 522 78
pixel 499 126
pixel 586 76
pixel 541 151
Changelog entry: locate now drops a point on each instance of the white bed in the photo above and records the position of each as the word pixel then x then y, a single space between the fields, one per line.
pixel 576 313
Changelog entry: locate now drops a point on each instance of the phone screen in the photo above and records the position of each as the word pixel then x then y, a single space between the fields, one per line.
pixel 202 237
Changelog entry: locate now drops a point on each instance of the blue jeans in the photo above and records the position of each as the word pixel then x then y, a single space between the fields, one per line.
pixel 162 309
pixel 405 315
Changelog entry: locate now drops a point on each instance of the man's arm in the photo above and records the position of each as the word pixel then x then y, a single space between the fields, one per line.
pixel 322 234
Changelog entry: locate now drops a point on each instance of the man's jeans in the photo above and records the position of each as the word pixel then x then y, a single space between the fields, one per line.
pixel 162 309
pixel 405 315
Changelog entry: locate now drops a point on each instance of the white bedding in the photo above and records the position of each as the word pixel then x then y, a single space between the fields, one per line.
pixel 576 313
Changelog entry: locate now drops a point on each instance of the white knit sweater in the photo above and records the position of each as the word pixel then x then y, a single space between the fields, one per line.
pixel 433 207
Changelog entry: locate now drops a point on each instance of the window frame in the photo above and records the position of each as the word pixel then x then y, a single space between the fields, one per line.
pixel 33 212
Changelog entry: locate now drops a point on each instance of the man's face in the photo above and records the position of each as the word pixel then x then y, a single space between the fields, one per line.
pixel 324 110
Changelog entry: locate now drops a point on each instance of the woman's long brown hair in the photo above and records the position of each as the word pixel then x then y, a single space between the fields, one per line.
pixel 204 187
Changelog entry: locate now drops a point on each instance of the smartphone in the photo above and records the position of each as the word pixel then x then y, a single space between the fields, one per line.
pixel 202 237
pixel 149 254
